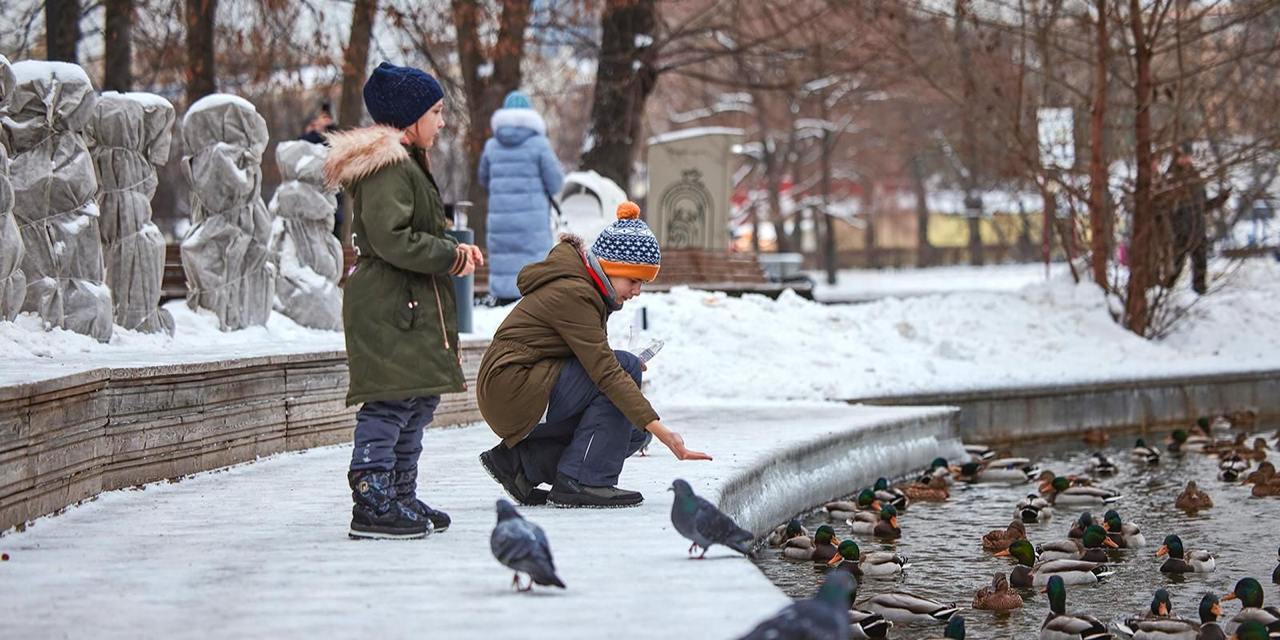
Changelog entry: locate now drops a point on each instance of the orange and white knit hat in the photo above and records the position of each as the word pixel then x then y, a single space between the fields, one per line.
pixel 627 248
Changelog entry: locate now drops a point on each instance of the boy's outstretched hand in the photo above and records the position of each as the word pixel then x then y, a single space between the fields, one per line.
pixel 674 442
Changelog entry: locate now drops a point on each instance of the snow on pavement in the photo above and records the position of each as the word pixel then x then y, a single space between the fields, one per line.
pixel 260 550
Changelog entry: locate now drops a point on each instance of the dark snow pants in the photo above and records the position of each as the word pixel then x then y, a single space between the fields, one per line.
pixel 389 433
pixel 584 437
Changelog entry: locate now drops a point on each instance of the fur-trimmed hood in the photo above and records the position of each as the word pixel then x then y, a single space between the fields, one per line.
pixel 512 121
pixel 359 153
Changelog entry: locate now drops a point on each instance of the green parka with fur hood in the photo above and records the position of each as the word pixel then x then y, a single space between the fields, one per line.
pixel 398 308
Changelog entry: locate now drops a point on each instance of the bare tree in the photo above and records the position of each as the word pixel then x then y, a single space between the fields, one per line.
pixel 62 30
pixel 626 75
pixel 1099 212
pixel 201 16
pixel 117 67
pixel 355 61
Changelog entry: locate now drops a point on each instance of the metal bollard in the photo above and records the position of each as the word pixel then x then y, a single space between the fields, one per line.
pixel 464 286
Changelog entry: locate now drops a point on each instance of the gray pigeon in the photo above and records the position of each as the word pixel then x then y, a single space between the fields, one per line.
pixel 522 546
pixel 704 524
pixel 825 616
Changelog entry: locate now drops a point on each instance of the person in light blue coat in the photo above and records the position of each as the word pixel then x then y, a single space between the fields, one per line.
pixel 519 171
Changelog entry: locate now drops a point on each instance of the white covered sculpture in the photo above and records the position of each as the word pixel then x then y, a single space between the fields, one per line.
pixel 13 284
pixel 54 187
pixel 130 134
pixel 309 257
pixel 225 256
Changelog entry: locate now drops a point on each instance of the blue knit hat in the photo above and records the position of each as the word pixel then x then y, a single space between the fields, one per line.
pixel 398 96
pixel 517 100
pixel 627 248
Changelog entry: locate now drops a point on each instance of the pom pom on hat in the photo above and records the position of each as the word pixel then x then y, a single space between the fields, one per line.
pixel 627 248
pixel 628 211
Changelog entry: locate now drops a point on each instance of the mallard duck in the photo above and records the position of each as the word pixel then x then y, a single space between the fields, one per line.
pixel 1263 473
pixel 1000 539
pixel 1269 488
pixel 1062 493
pixel 1100 464
pixel 876 563
pixel 1225 447
pixel 1081 523
pixel 1210 611
pixel 1159 622
pixel 1125 534
pixel 1180 561
pixel 1254 631
pixel 1033 508
pixel 909 608
pixel 1028 572
pixel 785 532
pixel 1249 592
pixel 1275 574
pixel 1182 442
pixel 1088 548
pixel 979 452
pixel 1046 478
pixel 937 469
pixel 933 490
pixel 844 509
pixel 1192 498
pixel 864 520
pixel 1144 454
pixel 1256 453
pixel 888 526
pixel 820 549
pixel 1243 419
pixel 1232 467
pixel 954 629
pixel 1060 625
pixel 1005 470
pixel 997 597
pixel 889 495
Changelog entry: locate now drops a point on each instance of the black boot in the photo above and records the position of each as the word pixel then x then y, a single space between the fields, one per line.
pixel 567 492
pixel 377 514
pixel 502 465
pixel 406 483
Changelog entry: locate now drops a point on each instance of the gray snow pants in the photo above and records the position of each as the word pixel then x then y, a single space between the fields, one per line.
pixel 389 433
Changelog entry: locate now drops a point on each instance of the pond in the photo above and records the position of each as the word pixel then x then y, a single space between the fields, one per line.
pixel 943 541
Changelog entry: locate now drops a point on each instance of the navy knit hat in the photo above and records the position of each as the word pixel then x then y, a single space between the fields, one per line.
pixel 398 96
pixel 627 248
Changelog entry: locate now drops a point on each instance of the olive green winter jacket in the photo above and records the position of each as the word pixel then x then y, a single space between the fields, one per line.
pixel 398 308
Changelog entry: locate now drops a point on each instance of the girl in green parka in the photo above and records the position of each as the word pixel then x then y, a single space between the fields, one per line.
pixel 398 309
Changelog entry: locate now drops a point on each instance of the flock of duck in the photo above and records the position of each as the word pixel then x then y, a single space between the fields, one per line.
pixel 1080 558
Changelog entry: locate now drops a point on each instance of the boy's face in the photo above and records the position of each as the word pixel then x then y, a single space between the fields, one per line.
pixel 626 288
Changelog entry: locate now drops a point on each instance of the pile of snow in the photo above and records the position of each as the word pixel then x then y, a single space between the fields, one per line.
pixel 859 285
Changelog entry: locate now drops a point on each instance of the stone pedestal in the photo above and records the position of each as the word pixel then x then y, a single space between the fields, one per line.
pixel 690 174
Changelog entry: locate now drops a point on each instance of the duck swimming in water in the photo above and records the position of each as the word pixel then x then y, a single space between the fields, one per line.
pixel 1192 498
pixel 1000 539
pixel 1090 548
pixel 1006 470
pixel 1159 622
pixel 1033 508
pixel 997 597
pixel 875 563
pixel 1081 523
pixel 909 608
pixel 1060 625
pixel 889 495
pixel 1210 611
pixel 1031 573
pixel 1100 464
pixel 785 532
pixel 1143 453
pixel 1181 561
pixel 820 549
pixel 1062 493
pixel 1125 534
pixel 887 528
pixel 1249 592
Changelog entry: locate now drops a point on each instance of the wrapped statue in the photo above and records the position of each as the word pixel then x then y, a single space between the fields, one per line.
pixel 309 256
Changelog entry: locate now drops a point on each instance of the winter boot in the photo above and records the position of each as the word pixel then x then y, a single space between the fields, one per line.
pixel 406 494
pixel 377 513
pixel 567 492
pixel 502 465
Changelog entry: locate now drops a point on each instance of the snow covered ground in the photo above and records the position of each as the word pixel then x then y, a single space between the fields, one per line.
pixel 261 550
pixel 862 285
pixel 793 349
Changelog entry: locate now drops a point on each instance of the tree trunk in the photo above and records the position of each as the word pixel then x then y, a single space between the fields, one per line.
pixel 869 232
pixel 1099 214
pixel 355 61
pixel 829 258
pixel 62 30
pixel 924 250
pixel 1141 275
pixel 626 74
pixel 117 66
pixel 200 18
pixel 485 91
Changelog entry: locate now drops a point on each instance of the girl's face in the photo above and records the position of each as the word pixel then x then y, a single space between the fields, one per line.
pixel 625 288
pixel 422 134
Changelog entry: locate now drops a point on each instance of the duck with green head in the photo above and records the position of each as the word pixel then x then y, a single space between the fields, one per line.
pixel 1181 561
pixel 1081 523
pixel 937 469
pixel 1254 631
pixel 954 629
pixel 876 563
pixel 864 521
pixel 1000 539
pixel 1125 534
pixel 822 548
pixel 845 509
pixel 1033 508
pixel 1060 492
pixel 1144 454
pixel 792 529
pixel 1029 573
pixel 887 528
pixel 1060 625
pixel 1210 611
pixel 1000 470
pixel 1249 592
pixel 890 495
pixel 1091 547
pixel 1159 622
